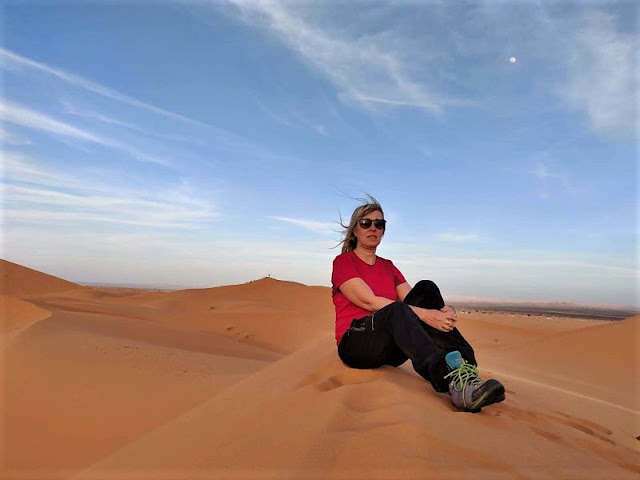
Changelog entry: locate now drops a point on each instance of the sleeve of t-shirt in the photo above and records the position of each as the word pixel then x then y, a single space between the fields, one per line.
pixel 343 270
pixel 398 278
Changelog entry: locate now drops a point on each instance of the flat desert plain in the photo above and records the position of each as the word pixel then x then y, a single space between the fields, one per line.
pixel 243 382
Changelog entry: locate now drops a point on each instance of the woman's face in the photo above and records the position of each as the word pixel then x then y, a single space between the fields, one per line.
pixel 369 237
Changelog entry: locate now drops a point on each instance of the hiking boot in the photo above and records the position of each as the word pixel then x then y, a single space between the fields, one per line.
pixel 468 391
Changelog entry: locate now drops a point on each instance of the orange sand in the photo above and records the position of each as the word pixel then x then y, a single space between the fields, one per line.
pixel 243 382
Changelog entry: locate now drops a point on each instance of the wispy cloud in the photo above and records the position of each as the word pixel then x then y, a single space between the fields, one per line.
pixel 223 139
pixel 457 237
pixel 72 109
pixel 313 226
pixel 14 61
pixel 292 120
pixel 45 205
pixel 18 167
pixel 129 245
pixel 413 103
pixel 320 129
pixel 33 193
pixel 8 137
pixel 604 75
pixel 25 117
pixel 366 72
pixel 546 175
pixel 277 117
pixel 416 254
pixel 519 263
pixel 19 115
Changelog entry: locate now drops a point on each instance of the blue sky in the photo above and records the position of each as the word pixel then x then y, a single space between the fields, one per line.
pixel 210 143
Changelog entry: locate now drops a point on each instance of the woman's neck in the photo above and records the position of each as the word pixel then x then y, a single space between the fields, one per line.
pixel 366 255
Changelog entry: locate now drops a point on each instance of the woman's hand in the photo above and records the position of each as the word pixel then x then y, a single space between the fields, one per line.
pixel 450 310
pixel 443 320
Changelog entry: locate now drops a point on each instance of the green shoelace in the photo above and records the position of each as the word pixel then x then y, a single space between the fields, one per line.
pixel 464 375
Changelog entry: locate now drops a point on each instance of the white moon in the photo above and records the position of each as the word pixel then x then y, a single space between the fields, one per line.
pixel 512 60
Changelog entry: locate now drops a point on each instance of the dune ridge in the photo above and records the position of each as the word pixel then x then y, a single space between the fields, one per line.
pixel 243 381
pixel 18 314
pixel 22 281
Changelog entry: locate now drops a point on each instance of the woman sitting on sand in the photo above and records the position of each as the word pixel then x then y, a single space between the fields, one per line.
pixel 381 320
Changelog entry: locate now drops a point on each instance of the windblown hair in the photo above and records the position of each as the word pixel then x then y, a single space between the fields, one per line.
pixel 369 204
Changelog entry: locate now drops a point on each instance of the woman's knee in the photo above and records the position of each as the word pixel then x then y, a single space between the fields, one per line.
pixel 425 294
pixel 427 285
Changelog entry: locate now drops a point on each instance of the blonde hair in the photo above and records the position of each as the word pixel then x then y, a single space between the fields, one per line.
pixel 349 240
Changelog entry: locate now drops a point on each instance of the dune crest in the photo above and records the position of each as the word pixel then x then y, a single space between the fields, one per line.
pixel 17 314
pixel 22 281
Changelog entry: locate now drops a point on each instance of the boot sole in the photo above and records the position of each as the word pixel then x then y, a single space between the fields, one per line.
pixel 495 394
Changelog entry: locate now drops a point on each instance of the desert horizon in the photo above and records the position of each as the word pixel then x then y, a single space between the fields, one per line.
pixel 243 381
pixel 594 310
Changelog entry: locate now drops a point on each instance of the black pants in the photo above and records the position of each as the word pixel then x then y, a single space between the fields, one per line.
pixel 395 334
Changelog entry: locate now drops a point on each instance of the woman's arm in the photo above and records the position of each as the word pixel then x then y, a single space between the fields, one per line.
pixel 403 290
pixel 360 294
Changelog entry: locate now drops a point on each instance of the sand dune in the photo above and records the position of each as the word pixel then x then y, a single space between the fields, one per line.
pixel 244 382
pixel 602 361
pixel 317 419
pixel 22 281
pixel 16 314
pixel 281 316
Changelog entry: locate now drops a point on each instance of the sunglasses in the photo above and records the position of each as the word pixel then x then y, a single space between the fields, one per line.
pixel 378 223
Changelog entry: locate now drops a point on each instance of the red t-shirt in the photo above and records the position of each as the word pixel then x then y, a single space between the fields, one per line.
pixel 382 277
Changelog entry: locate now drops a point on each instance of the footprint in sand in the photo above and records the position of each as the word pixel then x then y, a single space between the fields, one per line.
pixel 326 382
pixel 543 433
pixel 585 426
pixel 330 384
pixel 535 420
